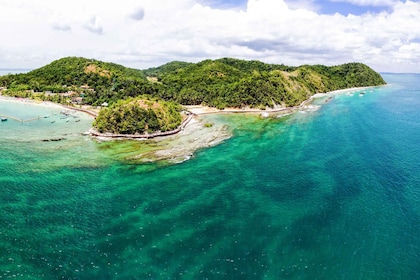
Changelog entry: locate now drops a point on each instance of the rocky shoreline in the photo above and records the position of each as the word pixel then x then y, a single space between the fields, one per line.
pixel 200 129
pixel 184 123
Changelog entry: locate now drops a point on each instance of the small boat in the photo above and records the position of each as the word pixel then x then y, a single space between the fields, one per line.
pixel 53 122
pixel 328 99
pixel 362 93
pixel 3 119
pixel 78 120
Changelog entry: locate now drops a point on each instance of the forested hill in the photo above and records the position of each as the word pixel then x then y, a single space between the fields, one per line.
pixel 97 81
pixel 237 83
pixel 221 83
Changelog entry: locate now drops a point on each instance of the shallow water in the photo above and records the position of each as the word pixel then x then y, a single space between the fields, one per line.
pixel 330 194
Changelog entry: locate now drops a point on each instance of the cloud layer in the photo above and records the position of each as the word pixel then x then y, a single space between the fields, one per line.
pixel 149 33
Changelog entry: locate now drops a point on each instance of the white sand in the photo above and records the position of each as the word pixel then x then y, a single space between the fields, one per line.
pixel 339 91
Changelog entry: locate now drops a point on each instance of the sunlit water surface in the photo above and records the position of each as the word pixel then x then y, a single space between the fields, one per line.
pixel 330 194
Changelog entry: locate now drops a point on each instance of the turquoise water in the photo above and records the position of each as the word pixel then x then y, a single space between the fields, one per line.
pixel 331 194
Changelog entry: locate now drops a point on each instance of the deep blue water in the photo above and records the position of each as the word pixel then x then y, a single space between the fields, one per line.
pixel 331 194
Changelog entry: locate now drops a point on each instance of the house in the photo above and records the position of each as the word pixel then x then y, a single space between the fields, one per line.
pixel 77 100
pixel 67 94
pixel 49 93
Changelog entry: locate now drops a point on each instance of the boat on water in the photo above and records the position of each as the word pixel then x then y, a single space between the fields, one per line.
pixel 3 119
pixel 362 93
pixel 328 99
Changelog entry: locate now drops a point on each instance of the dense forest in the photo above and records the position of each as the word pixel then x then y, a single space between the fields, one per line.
pixel 220 83
pixel 95 80
pixel 139 115
pixel 237 83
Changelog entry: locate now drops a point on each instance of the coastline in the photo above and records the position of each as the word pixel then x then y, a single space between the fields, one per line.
pixel 173 146
pixel 31 101
pixel 193 134
pixel 279 111
pixel 181 146
pixel 183 124
pixel 47 104
pixel 193 110
pixel 340 91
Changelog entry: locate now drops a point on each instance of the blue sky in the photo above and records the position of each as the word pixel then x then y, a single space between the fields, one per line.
pixel 384 34
pixel 343 7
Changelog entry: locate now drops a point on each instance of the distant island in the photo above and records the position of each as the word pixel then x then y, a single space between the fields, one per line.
pixel 138 102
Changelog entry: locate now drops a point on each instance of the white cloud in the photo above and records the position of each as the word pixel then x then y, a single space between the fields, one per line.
pixel 161 31
pixel 60 26
pixel 94 26
pixel 137 14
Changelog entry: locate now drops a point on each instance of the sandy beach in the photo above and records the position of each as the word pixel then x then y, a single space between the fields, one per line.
pixel 339 91
pixel 200 131
pixel 277 111
pixel 30 101
pixel 48 104
pixel 177 147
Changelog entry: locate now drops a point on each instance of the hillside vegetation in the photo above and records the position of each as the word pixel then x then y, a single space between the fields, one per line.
pixel 138 116
pixel 236 83
pixel 95 80
pixel 220 83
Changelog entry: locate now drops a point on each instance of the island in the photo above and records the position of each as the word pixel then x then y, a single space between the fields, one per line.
pixel 154 102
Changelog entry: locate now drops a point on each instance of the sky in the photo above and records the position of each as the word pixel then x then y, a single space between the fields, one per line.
pixel 384 34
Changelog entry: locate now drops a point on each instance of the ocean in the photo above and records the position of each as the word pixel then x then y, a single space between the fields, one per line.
pixel 326 194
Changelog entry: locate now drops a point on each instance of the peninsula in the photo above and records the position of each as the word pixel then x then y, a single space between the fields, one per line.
pixel 153 101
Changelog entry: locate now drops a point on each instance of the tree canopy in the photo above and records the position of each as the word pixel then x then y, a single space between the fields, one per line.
pixel 139 115
pixel 221 83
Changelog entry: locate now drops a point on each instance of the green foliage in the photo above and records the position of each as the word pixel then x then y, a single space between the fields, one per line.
pixel 173 67
pixel 254 65
pixel 220 83
pixel 229 82
pixel 138 116
pixel 98 81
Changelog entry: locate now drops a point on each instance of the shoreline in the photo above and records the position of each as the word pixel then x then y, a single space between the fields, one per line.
pixel 340 91
pixel 205 110
pixel 30 101
pixel 193 110
pixel 46 104
pixel 181 127
pixel 193 133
